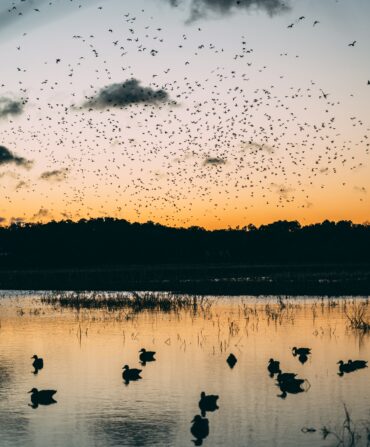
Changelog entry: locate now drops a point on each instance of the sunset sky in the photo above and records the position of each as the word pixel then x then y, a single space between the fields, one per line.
pixel 185 112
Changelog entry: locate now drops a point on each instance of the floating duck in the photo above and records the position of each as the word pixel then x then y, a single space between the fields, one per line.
pixel 199 429
pixel 146 356
pixel 42 397
pixel 301 351
pixel 273 367
pixel 38 363
pixel 208 403
pixel 131 374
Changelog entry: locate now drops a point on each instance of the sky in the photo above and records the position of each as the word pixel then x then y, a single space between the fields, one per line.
pixel 214 113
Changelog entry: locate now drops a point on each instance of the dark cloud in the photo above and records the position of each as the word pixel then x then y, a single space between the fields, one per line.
pixel 214 161
pixel 57 175
pixel 6 157
pixel 10 106
pixel 122 95
pixel 201 8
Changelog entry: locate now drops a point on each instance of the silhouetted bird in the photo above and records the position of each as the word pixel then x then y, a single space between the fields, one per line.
pixel 146 356
pixel 292 386
pixel 231 360
pixel 273 367
pixel 301 351
pixel 131 374
pixel 207 403
pixel 343 368
pixel 43 397
pixel 199 429
pixel 38 363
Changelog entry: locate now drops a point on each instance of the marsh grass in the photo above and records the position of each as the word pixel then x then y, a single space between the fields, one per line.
pixel 357 316
pixel 133 301
pixel 349 434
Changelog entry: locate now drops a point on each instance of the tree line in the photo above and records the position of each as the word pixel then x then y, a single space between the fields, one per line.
pixel 109 242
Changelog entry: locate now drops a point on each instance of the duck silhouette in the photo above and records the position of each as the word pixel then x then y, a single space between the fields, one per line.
pixel 38 363
pixel 42 397
pixel 207 403
pixel 292 386
pixel 273 367
pixel 132 374
pixel 146 356
pixel 301 351
pixel 344 368
pixel 199 429
pixel 231 360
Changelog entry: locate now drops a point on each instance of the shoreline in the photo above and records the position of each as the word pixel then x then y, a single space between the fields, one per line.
pixel 205 279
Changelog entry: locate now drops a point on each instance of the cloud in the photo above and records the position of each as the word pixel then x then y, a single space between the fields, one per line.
pixel 201 8
pixel 6 157
pixel 58 175
pixel 122 95
pixel 2 219
pixel 214 161
pixel 10 106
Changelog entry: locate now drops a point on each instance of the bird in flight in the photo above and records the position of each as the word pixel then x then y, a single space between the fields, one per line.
pixel 352 44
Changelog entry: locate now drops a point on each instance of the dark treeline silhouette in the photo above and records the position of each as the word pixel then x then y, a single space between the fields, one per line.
pixel 106 242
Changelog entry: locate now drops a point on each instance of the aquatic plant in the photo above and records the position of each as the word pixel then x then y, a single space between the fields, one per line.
pixel 133 301
pixel 356 316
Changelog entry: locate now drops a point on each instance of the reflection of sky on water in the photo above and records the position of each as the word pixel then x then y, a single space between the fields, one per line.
pixel 84 354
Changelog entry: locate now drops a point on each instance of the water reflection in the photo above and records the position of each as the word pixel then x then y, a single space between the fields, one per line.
pixel 85 350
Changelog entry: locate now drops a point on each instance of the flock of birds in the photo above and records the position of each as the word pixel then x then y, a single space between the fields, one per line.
pixel 227 139
pixel 287 382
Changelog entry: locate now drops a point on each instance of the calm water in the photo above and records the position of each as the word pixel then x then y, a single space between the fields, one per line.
pixel 84 354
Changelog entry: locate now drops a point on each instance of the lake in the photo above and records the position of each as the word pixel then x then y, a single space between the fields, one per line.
pixel 84 351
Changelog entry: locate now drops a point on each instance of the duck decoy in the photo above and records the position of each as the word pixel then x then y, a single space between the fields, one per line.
pixel 273 367
pixel 292 386
pixel 146 356
pixel 38 363
pixel 208 403
pixel 231 360
pixel 344 368
pixel 131 374
pixel 301 351
pixel 199 429
pixel 42 397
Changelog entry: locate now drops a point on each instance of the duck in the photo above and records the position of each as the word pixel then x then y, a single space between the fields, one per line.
pixel 131 374
pixel 231 360
pixel 292 386
pixel 146 356
pixel 344 367
pixel 301 351
pixel 208 403
pixel 273 367
pixel 199 429
pixel 42 397
pixel 38 362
